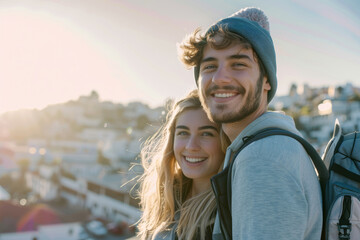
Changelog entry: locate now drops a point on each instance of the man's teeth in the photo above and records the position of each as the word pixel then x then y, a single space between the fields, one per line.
pixel 194 160
pixel 224 95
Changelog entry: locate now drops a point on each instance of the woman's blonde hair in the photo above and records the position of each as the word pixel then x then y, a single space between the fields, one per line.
pixel 164 189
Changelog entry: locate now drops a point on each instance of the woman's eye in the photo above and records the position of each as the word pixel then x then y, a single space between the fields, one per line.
pixel 182 133
pixel 208 134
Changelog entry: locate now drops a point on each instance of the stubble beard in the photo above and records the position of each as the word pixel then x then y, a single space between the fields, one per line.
pixel 224 115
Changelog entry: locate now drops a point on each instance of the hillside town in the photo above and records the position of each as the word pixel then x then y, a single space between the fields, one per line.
pixel 70 171
pixel 315 110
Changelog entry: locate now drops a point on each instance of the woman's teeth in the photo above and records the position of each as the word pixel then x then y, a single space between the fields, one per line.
pixel 194 160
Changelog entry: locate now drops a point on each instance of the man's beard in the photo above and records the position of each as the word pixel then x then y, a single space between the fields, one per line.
pixel 251 104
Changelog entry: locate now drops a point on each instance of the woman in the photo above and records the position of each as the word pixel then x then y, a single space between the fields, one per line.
pixel 176 196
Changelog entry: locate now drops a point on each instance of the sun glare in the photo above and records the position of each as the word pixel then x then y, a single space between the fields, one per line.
pixel 45 58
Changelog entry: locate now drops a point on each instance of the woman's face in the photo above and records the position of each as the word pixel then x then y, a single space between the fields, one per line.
pixel 197 146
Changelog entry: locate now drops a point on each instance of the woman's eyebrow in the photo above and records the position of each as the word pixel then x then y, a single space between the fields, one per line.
pixel 182 127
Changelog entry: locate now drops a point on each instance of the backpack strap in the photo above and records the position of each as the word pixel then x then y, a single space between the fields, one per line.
pixel 316 159
pixel 344 225
pixel 222 179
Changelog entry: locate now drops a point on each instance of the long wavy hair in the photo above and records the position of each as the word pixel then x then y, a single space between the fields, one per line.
pixel 164 188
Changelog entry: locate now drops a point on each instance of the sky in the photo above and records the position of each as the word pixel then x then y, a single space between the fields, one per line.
pixel 53 51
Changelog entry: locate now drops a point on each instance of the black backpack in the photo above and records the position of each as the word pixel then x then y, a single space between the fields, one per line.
pixel 342 196
pixel 221 183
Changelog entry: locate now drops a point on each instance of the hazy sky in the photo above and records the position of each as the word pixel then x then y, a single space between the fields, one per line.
pixel 52 51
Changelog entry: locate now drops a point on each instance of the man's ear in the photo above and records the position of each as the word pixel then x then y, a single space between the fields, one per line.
pixel 267 85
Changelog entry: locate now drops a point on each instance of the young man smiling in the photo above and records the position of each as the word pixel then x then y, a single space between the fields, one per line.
pixel 275 189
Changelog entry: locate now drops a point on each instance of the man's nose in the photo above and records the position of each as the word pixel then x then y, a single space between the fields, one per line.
pixel 221 76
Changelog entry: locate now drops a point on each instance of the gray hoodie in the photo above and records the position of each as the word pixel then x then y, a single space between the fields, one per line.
pixel 275 190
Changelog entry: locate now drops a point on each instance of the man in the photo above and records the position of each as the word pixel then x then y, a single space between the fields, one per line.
pixel 275 189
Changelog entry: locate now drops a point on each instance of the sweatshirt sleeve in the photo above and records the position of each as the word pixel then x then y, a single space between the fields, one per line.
pixel 268 200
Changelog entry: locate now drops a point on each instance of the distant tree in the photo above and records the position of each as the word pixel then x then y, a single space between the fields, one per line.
pixel 340 90
pixel 9 184
pixel 56 162
pixel 305 110
pixel 24 165
pixel 5 181
pixel 271 108
pixel 18 188
pixel 102 160
pixel 142 121
pixel 293 90
pixel 41 161
pixel 55 178
pixel 94 94
pixel 355 98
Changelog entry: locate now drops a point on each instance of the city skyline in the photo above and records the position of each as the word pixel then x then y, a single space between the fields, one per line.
pixel 53 51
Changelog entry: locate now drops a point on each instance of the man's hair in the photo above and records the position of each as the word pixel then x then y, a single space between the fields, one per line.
pixel 191 50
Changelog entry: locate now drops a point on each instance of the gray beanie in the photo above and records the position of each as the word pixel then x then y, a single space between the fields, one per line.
pixel 246 23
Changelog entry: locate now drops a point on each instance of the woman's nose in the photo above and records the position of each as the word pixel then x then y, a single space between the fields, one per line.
pixel 193 143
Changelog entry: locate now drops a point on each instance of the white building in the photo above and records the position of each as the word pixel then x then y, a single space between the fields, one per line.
pixel 112 205
pixel 42 182
pixel 108 197
pixel 66 231
pixel 320 127
pixel 98 191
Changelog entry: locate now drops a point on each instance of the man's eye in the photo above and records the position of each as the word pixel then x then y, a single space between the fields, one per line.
pixel 208 67
pixel 238 64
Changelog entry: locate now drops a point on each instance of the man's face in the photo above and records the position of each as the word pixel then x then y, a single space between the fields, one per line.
pixel 230 84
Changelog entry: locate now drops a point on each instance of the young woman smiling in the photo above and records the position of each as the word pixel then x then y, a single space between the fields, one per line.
pixel 176 196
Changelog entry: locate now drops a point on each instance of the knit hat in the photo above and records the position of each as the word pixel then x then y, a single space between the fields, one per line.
pixel 252 24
